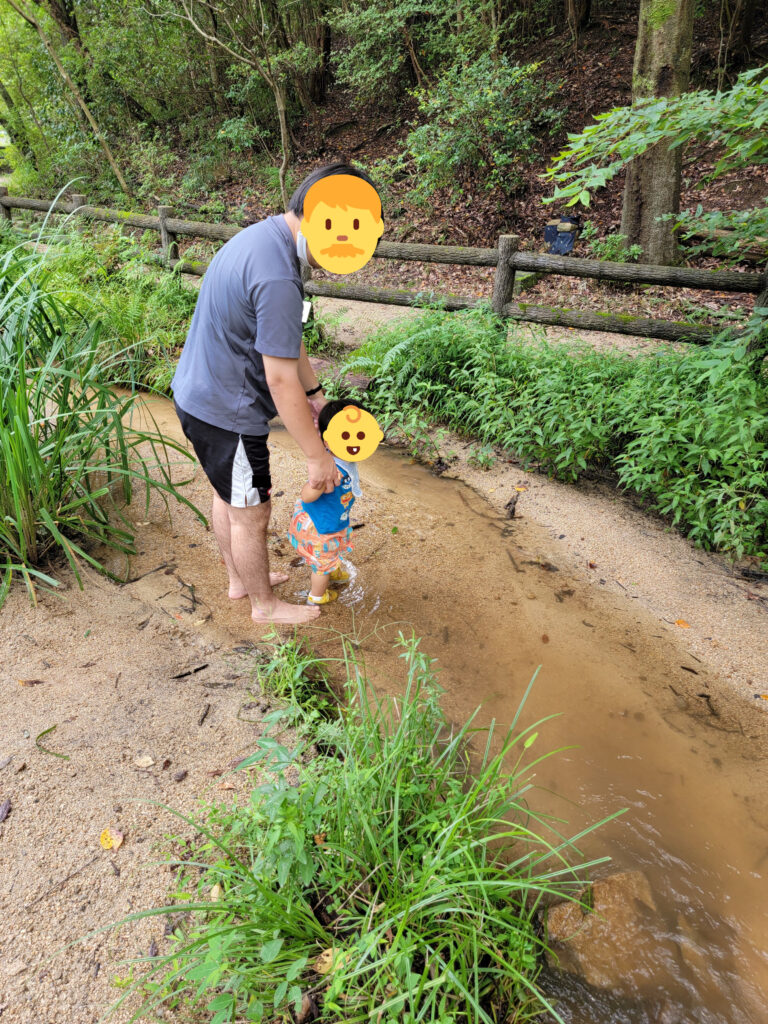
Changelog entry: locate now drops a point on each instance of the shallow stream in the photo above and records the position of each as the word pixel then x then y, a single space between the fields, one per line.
pixel 491 607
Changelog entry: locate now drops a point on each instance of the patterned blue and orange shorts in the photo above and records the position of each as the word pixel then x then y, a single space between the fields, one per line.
pixel 322 552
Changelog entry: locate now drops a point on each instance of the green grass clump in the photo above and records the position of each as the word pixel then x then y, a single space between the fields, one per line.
pixel 406 859
pixel 687 431
pixel 66 450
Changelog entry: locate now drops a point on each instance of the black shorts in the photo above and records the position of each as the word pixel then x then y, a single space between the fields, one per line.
pixel 236 464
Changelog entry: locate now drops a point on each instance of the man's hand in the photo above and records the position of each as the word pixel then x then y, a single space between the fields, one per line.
pixel 323 473
pixel 316 403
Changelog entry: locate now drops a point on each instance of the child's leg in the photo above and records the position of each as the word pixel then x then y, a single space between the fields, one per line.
pixel 319 584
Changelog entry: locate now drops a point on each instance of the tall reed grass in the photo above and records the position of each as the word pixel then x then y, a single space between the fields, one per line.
pixel 67 452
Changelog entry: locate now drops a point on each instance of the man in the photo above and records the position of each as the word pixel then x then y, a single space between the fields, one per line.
pixel 243 363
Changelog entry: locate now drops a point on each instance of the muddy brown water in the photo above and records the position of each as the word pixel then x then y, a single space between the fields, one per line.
pixel 491 608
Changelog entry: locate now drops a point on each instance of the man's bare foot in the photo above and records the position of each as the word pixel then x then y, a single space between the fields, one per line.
pixel 237 590
pixel 286 614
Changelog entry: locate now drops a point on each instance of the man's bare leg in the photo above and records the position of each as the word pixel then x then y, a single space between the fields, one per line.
pixel 221 529
pixel 250 561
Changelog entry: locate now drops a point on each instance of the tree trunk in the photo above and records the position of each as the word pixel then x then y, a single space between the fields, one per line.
pixel 285 140
pixel 577 15
pixel 662 68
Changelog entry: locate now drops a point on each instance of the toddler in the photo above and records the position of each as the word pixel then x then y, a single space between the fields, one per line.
pixel 320 529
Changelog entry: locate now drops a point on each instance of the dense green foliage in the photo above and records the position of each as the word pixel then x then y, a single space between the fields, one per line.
pixel 192 95
pixel 487 115
pixel 107 277
pixel 414 866
pixel 67 450
pixel 688 431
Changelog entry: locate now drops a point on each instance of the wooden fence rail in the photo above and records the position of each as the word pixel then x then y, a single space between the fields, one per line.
pixel 507 258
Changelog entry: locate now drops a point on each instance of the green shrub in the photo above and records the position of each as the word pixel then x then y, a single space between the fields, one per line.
pixel 143 311
pixel 688 431
pixel 613 247
pixel 411 864
pixel 486 116
pixel 66 450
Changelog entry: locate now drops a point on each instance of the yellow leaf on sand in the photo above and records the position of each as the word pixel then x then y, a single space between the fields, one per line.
pixel 145 761
pixel 682 624
pixel 111 839
pixel 521 488
pixel 216 892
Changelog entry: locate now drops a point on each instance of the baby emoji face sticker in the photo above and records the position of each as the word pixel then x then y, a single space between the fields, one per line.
pixel 352 434
pixel 342 222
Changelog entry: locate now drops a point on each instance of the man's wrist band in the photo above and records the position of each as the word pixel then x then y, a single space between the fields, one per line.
pixel 313 391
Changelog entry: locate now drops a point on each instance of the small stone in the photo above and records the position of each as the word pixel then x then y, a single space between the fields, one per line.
pixel 180 776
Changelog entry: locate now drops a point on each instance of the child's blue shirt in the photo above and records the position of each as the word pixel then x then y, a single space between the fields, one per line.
pixel 330 512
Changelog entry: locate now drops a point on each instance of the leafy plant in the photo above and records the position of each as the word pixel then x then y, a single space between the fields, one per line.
pixel 482 456
pixel 613 247
pixel 66 449
pixel 398 877
pixel 483 114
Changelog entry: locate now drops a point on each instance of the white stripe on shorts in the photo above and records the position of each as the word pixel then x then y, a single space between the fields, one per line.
pixel 244 494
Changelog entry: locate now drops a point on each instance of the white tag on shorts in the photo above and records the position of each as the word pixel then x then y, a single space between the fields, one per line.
pixel 306 309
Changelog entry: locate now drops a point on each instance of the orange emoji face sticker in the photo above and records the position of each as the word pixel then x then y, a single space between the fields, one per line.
pixel 342 222
pixel 353 434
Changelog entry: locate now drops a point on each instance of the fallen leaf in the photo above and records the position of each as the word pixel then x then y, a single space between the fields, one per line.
pixel 166 763
pixel 320 838
pixel 521 488
pixel 5 809
pixel 296 561
pixel 544 638
pixel 227 784
pixel 31 682
pixel 5 761
pixel 111 839
pixel 682 624
pixel 216 892
pixel 153 951
pixel 214 772
pixel 329 960
pixel 144 522
pixel 309 1011
pixel 145 761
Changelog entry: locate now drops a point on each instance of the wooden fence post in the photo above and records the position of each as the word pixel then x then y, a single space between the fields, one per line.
pixel 6 209
pixel 167 238
pixel 504 281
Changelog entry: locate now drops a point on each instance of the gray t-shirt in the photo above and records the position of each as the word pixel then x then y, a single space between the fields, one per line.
pixel 249 306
